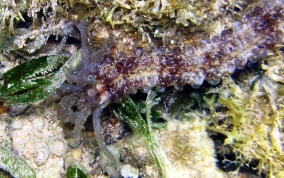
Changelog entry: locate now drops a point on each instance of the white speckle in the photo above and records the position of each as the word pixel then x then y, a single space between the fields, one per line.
pixel 145 89
pixel 160 89
pixel 189 50
pixel 150 81
pixel 237 26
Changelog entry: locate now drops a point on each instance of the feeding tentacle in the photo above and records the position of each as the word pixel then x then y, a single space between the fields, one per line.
pixel 86 50
pixel 98 136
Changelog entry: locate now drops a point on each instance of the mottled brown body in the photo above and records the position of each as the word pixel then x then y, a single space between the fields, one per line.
pixel 125 64
pixel 253 38
pixel 106 75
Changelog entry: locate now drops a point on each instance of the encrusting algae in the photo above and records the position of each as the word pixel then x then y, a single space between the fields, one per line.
pixel 226 57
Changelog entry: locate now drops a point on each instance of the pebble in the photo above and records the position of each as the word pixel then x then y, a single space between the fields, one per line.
pixel 17 124
pixel 38 123
pixel 41 156
pixel 128 171
pixel 58 146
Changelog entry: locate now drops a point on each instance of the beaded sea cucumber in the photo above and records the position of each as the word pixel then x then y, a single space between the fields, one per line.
pixel 110 73
pixel 251 39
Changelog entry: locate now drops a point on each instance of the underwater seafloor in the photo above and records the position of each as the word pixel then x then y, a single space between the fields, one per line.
pixel 226 125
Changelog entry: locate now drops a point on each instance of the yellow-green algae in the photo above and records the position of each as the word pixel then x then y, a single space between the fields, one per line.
pixel 145 17
pixel 118 12
pixel 254 116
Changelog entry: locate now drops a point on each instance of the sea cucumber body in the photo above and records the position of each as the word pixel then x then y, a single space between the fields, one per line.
pixel 252 38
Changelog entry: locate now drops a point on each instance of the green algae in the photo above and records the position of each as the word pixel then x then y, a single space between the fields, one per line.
pixel 30 81
pixel 36 79
pixel 15 165
pixel 142 127
pixel 75 172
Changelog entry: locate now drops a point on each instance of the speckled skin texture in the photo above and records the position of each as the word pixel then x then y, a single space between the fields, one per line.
pixel 250 37
pixel 126 63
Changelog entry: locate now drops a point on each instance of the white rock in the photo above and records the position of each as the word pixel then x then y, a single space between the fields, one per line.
pixel 16 124
pixel 128 171
pixel 38 123
pixel 58 146
pixel 41 156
